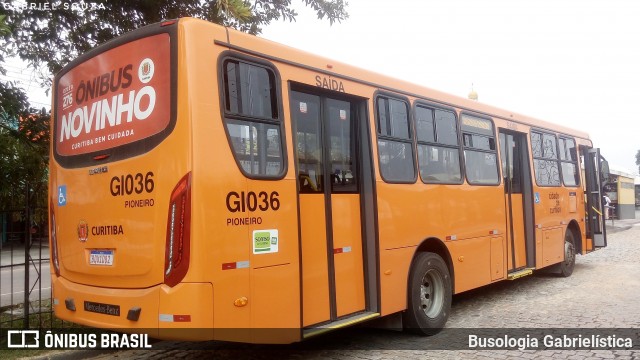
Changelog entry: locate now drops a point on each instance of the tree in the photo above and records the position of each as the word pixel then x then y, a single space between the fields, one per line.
pixel 4 28
pixel 24 142
pixel 638 159
pixel 52 38
pixel 55 37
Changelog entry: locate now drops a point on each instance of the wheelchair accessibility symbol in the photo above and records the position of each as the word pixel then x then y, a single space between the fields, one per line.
pixel 62 195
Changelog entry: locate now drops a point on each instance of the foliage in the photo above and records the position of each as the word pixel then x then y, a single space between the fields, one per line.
pixel 24 148
pixel 55 37
pixel 24 141
pixel 4 28
pixel 23 160
pixel 638 159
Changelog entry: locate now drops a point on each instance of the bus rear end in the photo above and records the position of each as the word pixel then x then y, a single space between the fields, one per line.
pixel 120 188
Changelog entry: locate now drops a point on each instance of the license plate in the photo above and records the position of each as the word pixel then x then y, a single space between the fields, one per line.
pixel 101 257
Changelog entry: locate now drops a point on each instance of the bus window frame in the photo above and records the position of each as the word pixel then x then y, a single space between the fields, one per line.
pixel 434 107
pixel 557 159
pixel 495 151
pixel 576 162
pixel 279 121
pixel 141 146
pixel 409 140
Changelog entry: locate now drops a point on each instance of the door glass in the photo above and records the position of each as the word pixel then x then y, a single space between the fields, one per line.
pixel 342 147
pixel 515 159
pixel 511 169
pixel 305 110
pixel 503 160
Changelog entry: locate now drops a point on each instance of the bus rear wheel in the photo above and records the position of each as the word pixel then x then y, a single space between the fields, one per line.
pixel 565 268
pixel 429 295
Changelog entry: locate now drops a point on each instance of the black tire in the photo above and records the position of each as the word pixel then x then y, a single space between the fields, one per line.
pixel 429 295
pixel 565 268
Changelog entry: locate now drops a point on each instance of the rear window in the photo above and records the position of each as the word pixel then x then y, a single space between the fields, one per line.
pixel 252 116
pixel 119 98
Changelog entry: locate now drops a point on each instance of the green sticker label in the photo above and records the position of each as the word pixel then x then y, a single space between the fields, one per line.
pixel 265 241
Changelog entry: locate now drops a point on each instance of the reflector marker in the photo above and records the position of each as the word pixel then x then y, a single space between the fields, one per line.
pixel 341 250
pixel 494 232
pixel 182 318
pixel 174 318
pixel 101 157
pixel 235 265
pixel 452 237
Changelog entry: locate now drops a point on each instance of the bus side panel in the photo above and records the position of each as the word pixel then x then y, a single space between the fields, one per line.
pixel 553 246
pixel 274 318
pixel 221 248
pixel 394 269
pixel 551 216
pixel 192 299
pixel 275 271
pixel 471 262
pixel 255 283
pixel 468 215
pixel 408 214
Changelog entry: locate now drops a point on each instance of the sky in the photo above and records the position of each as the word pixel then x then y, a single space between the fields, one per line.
pixel 571 62
pixel 574 63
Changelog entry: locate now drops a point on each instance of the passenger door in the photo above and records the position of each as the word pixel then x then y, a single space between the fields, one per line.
pixel 517 186
pixel 594 164
pixel 325 132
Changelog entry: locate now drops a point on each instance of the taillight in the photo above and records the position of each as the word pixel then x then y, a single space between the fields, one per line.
pixel 54 242
pixel 176 261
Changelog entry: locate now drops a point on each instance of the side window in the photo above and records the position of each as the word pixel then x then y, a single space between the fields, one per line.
pixel 545 159
pixel 252 119
pixel 569 162
pixel 480 157
pixel 395 146
pixel 438 151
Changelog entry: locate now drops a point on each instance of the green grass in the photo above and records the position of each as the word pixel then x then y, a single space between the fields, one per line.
pixel 41 318
pixel 12 354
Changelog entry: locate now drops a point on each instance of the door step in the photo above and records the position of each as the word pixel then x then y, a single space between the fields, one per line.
pixel 520 273
pixel 348 321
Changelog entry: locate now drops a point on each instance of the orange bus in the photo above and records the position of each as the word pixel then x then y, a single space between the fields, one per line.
pixel 202 178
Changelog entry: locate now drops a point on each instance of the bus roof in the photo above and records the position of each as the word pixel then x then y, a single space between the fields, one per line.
pixel 282 53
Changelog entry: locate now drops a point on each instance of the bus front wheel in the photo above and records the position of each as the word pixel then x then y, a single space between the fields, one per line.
pixel 429 295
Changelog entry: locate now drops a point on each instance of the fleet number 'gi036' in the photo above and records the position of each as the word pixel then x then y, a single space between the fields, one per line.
pixel 250 202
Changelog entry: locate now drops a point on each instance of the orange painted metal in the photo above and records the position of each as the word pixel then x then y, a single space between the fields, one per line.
pixel 348 266
pixel 315 268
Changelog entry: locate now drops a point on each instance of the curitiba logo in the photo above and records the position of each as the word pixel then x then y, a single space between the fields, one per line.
pixel 83 231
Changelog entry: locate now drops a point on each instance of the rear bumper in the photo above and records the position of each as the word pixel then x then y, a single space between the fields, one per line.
pixel 182 312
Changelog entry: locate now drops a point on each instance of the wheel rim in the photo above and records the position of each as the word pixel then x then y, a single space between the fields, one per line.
pixel 432 293
pixel 569 253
